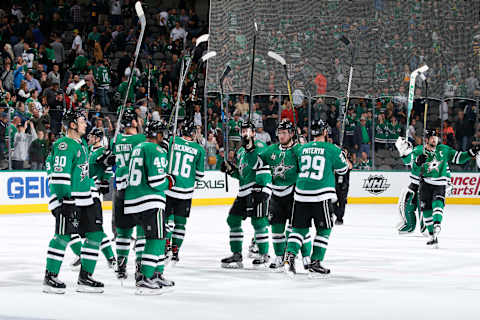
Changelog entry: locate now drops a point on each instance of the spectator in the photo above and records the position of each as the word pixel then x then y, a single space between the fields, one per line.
pixel 234 138
pixel 54 75
pixel 32 83
pixel 77 42
pixel 270 117
pixel 211 151
pixel 363 137
pixel 463 132
pixel 364 162
pixel 116 12
pixel 472 84
pixel 178 32
pixel 288 112
pixel 7 76
pixel 38 152
pixel 220 158
pixel 23 93
pixel 448 136
pixel 197 116
pixel 256 116
pixel 40 121
pixel 19 73
pixel 263 136
pixel 241 106
pixel 58 51
pixel 21 144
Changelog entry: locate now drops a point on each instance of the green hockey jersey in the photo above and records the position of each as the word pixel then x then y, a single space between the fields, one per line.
pixel 436 169
pixel 122 150
pixel 283 166
pixel 53 202
pixel 318 162
pixel 252 170
pixel 97 172
pixel 103 77
pixel 147 178
pixel 69 171
pixel 188 165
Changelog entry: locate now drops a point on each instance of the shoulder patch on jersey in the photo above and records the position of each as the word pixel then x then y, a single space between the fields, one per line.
pixel 57 169
pixel 63 146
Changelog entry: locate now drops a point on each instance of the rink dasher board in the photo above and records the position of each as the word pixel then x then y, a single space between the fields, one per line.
pixel 28 192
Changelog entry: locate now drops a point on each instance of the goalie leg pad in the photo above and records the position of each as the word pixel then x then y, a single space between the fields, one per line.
pixel 407 207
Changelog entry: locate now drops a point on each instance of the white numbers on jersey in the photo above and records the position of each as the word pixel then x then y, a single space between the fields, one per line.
pixel 186 167
pixel 135 174
pixel 122 159
pixel 60 161
pixel 160 164
pixel 312 167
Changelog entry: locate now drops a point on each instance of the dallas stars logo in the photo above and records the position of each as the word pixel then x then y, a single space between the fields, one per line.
pixel 281 169
pixel 241 167
pixel 84 170
pixel 434 165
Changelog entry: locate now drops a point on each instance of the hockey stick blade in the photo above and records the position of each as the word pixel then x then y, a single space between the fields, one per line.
pixel 202 38
pixel 277 57
pixel 139 10
pixel 79 85
pixel 208 55
pixel 225 73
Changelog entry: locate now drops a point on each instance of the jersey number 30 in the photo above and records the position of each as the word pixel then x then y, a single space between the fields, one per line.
pixel 312 167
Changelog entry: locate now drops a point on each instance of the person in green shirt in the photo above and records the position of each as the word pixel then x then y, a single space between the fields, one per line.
pixel 234 138
pixel 122 89
pixel 364 163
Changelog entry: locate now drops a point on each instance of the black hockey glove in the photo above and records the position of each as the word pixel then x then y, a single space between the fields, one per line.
pixel 259 195
pixel 68 209
pixel 229 168
pixel 474 151
pixel 104 187
pixel 107 159
pixel 421 159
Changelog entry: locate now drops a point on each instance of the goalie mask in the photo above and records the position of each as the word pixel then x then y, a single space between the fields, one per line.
pixel 248 135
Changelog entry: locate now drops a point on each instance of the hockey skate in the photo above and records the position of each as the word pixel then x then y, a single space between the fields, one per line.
pixel 253 250
pixel 121 268
pixel 405 229
pixel 76 263
pixel 87 284
pixel 233 262
pixel 174 259
pixel 317 271
pixel 306 262
pixel 277 264
pixel 289 265
pixel 148 287
pixel 163 282
pixel 261 261
pixel 51 284
pixel 339 222
pixel 138 268
pixel 434 237
pixel 112 263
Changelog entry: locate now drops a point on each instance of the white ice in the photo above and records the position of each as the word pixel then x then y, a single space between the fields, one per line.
pixel 376 274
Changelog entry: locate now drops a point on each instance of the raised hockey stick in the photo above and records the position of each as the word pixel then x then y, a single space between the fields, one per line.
pixel 411 94
pixel 183 75
pixel 349 44
pixel 143 24
pixel 224 122
pixel 253 69
pixel 283 62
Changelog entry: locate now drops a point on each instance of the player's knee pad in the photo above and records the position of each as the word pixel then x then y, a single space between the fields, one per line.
pixel 234 221
pixel 259 223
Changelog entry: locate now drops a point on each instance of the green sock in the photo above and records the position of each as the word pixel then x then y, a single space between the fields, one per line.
pixel 139 243
pixel 90 248
pixel 307 246
pixel 428 219
pixel 320 244
pixel 76 244
pixel 106 247
pixel 170 225
pixel 122 243
pixel 438 206
pixel 150 256
pixel 295 239
pixel 278 238
pixel 261 233
pixel 236 233
pixel 161 257
pixel 179 231
pixel 56 252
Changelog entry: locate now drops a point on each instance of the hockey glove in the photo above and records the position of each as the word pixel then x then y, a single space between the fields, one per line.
pixel 259 194
pixel 421 159
pixel 403 146
pixel 171 181
pixel 229 168
pixel 104 187
pixel 474 151
pixel 69 210
pixel 106 159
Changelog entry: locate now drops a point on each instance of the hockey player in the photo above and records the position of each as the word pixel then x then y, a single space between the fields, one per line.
pixel 252 199
pixel 124 224
pixel 318 161
pixel 71 206
pixel 100 170
pixel 431 160
pixel 188 165
pixel 282 161
pixel 145 203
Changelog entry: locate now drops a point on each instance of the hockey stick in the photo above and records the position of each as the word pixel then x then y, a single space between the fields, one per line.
pixel 253 69
pixel 349 44
pixel 411 94
pixel 282 61
pixel 183 75
pixel 425 110
pixel 224 123
pixel 143 23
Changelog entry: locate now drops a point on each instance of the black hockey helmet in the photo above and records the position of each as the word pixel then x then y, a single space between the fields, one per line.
pixel 97 133
pixel 155 127
pixel 247 124
pixel 71 115
pixel 430 133
pixel 128 116
pixel 317 127
pixel 188 129
pixel 285 124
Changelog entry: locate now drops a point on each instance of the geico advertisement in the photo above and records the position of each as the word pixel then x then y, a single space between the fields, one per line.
pixel 24 187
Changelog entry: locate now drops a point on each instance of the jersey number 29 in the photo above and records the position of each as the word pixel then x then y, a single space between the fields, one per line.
pixel 312 167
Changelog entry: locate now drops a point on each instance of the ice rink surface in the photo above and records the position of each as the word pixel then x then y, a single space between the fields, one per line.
pixel 376 274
